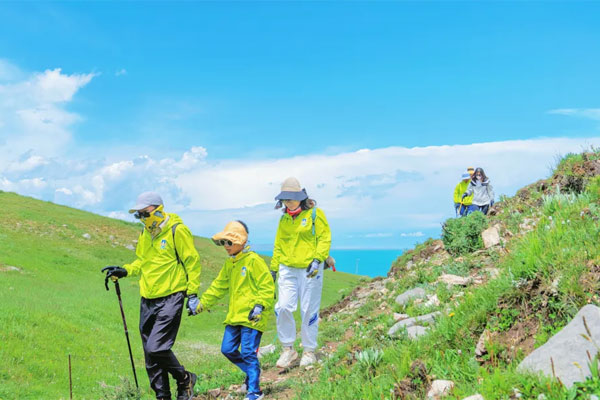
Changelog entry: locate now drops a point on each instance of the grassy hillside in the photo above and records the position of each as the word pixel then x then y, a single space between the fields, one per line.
pixel 519 293
pixel 53 304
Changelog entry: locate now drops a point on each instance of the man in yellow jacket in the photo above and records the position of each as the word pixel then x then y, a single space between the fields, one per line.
pixel 246 277
pixel 169 269
pixel 461 205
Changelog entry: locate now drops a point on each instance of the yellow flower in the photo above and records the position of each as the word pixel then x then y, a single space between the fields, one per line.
pixel 451 314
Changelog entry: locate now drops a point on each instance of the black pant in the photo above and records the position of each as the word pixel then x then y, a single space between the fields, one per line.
pixel 159 324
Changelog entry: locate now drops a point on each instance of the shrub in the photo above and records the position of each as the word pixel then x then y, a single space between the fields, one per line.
pixel 463 235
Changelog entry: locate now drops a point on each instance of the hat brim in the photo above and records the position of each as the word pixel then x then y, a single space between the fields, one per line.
pixel 235 238
pixel 298 196
pixel 138 207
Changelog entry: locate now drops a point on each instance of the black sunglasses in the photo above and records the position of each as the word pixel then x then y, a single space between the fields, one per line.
pixel 223 242
pixel 141 214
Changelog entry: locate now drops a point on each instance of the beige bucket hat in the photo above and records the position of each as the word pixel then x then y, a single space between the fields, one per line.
pixel 291 190
pixel 234 231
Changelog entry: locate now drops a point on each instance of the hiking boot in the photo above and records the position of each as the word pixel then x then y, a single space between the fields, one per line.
pixel 286 359
pixel 185 391
pixel 308 358
pixel 255 396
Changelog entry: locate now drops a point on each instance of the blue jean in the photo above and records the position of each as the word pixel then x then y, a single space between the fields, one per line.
pixel 483 209
pixel 246 359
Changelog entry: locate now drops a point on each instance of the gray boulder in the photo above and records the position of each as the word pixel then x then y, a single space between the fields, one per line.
pixel 567 348
pixel 407 323
pixel 491 237
pixel 416 331
pixel 416 293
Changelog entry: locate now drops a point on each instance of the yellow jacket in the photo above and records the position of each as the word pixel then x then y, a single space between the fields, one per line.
pixel 249 282
pixel 296 245
pixel 156 263
pixel 458 192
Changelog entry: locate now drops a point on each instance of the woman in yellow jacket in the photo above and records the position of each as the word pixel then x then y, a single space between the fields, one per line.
pixel 299 253
pixel 246 277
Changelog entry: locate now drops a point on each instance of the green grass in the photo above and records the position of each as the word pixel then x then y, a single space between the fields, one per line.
pixel 57 306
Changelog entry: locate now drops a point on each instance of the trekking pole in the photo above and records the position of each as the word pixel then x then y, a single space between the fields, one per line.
pixel 118 290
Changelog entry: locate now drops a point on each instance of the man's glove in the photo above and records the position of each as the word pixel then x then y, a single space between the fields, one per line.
pixel 274 275
pixel 114 272
pixel 463 196
pixel 313 268
pixel 255 313
pixel 193 305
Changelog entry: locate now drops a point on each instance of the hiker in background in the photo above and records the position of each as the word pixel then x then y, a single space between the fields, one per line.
pixel 471 171
pixel 482 191
pixel 301 247
pixel 461 204
pixel 251 289
pixel 169 269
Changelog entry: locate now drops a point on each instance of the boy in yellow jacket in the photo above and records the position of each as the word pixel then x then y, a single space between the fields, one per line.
pixel 246 277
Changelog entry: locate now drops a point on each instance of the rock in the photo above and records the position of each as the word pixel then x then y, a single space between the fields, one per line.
pixel 416 293
pixel 87 236
pixel 474 397
pixel 440 388
pixel 130 247
pixel 453 280
pixel 264 350
pixel 8 268
pixel 432 301
pixel 416 331
pixel 400 317
pixel 491 237
pixel 480 348
pixel 427 318
pixel 410 264
pixel 111 237
pixel 493 272
pixel 567 348
pixel 214 393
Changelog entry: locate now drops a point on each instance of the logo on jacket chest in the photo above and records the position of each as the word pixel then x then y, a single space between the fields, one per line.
pixel 163 244
pixel 303 223
pixel 244 270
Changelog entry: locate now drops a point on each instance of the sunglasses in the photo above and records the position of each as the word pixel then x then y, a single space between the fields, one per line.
pixel 223 242
pixel 141 214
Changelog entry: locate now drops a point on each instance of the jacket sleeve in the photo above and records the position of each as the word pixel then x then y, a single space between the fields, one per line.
pixel 490 190
pixel 184 243
pixel 135 268
pixel 264 283
pixel 457 194
pixel 276 250
pixel 323 236
pixel 218 288
pixel 469 190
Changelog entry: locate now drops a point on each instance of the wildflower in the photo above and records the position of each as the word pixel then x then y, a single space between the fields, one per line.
pixel 451 314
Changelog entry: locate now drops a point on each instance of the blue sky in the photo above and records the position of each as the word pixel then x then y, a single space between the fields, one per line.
pixel 214 104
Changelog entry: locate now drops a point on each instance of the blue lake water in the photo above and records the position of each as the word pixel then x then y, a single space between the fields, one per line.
pixel 362 262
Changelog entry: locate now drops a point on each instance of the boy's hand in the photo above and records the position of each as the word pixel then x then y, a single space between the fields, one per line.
pixel 193 305
pixel 274 275
pixel 255 313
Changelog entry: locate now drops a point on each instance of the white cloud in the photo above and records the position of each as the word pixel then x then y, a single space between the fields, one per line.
pixel 378 235
pixel 412 234
pixel 589 113
pixel 121 72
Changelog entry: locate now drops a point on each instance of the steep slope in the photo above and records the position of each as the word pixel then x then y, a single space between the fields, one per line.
pixel 468 313
pixel 53 304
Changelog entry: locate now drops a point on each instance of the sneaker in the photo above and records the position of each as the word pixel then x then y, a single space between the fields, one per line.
pixel 255 396
pixel 308 358
pixel 186 390
pixel 286 359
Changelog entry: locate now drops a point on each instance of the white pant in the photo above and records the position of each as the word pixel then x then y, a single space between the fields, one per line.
pixel 291 282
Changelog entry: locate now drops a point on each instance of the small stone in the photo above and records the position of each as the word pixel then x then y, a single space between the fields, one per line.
pixel 480 348
pixel 432 301
pixel 214 393
pixel 474 397
pixel 130 247
pixel 8 268
pixel 440 388
pixel 407 323
pixel 400 317
pixel 491 236
pixel 453 280
pixel 87 236
pixel 111 237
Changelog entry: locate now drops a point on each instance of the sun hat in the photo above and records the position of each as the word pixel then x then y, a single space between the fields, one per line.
pixel 470 170
pixel 234 231
pixel 291 190
pixel 146 199
pixel 466 176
